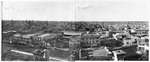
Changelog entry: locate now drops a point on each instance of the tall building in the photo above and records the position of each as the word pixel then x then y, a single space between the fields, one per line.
pixel 90 40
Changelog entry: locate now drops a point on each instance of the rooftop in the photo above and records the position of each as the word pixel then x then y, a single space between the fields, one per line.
pixel 71 33
pixel 119 52
pixel 17 35
pixel 90 35
pixel 29 35
pixel 129 50
pixel 59 54
pixel 99 52
pixel 44 35
pixel 141 29
pixel 94 52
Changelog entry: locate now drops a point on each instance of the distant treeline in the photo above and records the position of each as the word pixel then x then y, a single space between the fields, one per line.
pixel 58 25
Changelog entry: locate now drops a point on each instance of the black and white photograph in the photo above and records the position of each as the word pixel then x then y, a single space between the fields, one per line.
pixel 75 30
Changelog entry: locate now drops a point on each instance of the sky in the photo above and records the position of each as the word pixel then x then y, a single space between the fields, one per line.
pixel 76 10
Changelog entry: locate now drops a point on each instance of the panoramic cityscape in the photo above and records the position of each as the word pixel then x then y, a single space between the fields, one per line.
pixel 75 30
pixel 29 40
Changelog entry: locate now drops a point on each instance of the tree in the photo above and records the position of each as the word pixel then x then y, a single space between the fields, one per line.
pixel 74 45
pixel 29 24
pixel 79 26
pixel 112 28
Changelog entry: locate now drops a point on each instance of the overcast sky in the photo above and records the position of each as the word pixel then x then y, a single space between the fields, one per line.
pixel 89 10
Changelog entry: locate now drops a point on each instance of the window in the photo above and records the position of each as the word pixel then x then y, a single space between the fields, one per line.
pixel 146 40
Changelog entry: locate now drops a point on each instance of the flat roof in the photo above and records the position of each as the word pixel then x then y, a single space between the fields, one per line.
pixel 99 52
pixel 94 52
pixel 29 35
pixel 17 35
pixel 117 31
pixel 130 50
pixel 44 35
pixel 71 33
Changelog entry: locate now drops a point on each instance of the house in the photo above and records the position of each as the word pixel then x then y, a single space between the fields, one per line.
pixel 104 34
pixel 90 40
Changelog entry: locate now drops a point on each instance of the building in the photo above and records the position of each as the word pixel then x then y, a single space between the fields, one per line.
pixel 120 36
pixel 16 38
pixel 142 31
pixel 126 52
pixel 101 53
pixel 128 41
pixel 44 39
pixel 144 42
pixel 27 39
pixel 90 40
pixel 23 39
pixel 69 34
